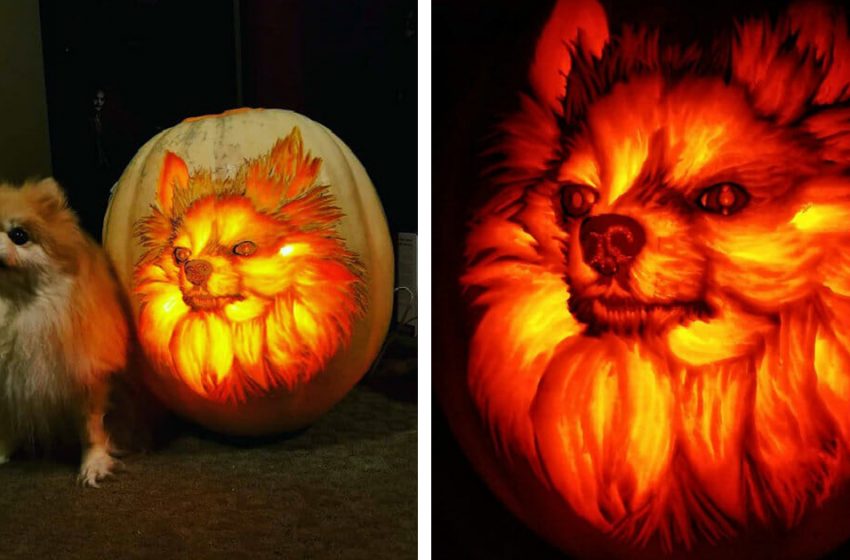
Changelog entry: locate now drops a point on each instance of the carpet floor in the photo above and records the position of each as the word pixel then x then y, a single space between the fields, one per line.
pixel 345 488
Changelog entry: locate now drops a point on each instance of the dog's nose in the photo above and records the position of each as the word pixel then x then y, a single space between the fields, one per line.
pixel 197 271
pixel 610 242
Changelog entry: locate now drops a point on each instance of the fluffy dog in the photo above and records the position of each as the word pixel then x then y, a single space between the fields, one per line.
pixel 63 329
pixel 662 305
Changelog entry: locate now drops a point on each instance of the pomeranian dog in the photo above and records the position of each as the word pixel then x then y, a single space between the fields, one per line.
pixel 661 282
pixel 247 285
pixel 63 329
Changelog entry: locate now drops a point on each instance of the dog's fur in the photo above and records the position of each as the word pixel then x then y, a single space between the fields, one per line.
pixel 720 393
pixel 63 329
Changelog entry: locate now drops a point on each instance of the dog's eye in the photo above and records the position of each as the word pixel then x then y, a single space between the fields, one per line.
pixel 18 235
pixel 576 200
pixel 245 249
pixel 182 254
pixel 723 198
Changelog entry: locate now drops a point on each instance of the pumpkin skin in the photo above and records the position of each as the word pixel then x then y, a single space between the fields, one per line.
pixel 259 264
pixel 539 364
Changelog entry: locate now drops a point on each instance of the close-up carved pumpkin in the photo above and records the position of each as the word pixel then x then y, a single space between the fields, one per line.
pixel 657 290
pixel 259 263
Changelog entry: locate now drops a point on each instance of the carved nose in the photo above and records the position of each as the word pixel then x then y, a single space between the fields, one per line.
pixel 610 242
pixel 197 271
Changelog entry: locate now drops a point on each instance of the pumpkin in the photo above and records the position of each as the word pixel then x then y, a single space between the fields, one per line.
pixel 658 361
pixel 260 267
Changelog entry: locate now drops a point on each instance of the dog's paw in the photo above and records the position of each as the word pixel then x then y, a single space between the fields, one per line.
pixel 97 465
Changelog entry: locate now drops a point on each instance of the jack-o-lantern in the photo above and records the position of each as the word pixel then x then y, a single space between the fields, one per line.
pixel 258 258
pixel 659 295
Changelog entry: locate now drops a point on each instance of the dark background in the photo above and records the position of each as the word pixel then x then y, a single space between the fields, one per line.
pixel 348 65
pixel 481 52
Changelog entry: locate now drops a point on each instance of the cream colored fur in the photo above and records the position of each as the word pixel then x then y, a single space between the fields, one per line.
pixel 63 330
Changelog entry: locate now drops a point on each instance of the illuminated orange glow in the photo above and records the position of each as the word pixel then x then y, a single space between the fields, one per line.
pixel 174 171
pixel 822 218
pixel 686 373
pixel 251 322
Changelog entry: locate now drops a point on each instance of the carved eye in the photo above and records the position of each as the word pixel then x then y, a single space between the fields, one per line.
pixel 245 249
pixel 182 254
pixel 576 200
pixel 723 198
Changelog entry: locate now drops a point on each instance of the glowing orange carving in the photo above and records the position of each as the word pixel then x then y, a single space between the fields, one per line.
pixel 246 285
pixel 662 305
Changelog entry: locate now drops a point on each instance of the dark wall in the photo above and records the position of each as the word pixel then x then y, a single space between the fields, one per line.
pixel 24 144
pixel 155 62
pixel 349 65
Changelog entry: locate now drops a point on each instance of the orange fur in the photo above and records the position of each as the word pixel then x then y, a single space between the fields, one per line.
pixel 64 329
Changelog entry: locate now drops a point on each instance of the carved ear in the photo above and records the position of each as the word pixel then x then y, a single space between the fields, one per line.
pixel 286 172
pixel 530 136
pixel 822 28
pixel 800 61
pixel 832 128
pixel 174 175
pixel 573 22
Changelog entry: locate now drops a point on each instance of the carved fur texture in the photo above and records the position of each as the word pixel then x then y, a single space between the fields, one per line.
pixel 659 282
pixel 246 285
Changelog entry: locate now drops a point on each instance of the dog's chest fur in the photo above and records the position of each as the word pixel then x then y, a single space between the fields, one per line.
pixel 39 384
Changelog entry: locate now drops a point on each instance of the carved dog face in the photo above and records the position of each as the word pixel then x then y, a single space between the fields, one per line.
pixel 246 285
pixel 663 312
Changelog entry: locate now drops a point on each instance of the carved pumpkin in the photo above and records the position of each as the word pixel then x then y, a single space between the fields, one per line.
pixel 259 262
pixel 660 314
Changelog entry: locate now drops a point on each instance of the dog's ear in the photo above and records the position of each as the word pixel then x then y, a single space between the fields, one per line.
pixel 800 61
pixel 50 189
pixel 572 23
pixel 174 175
pixel 47 194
